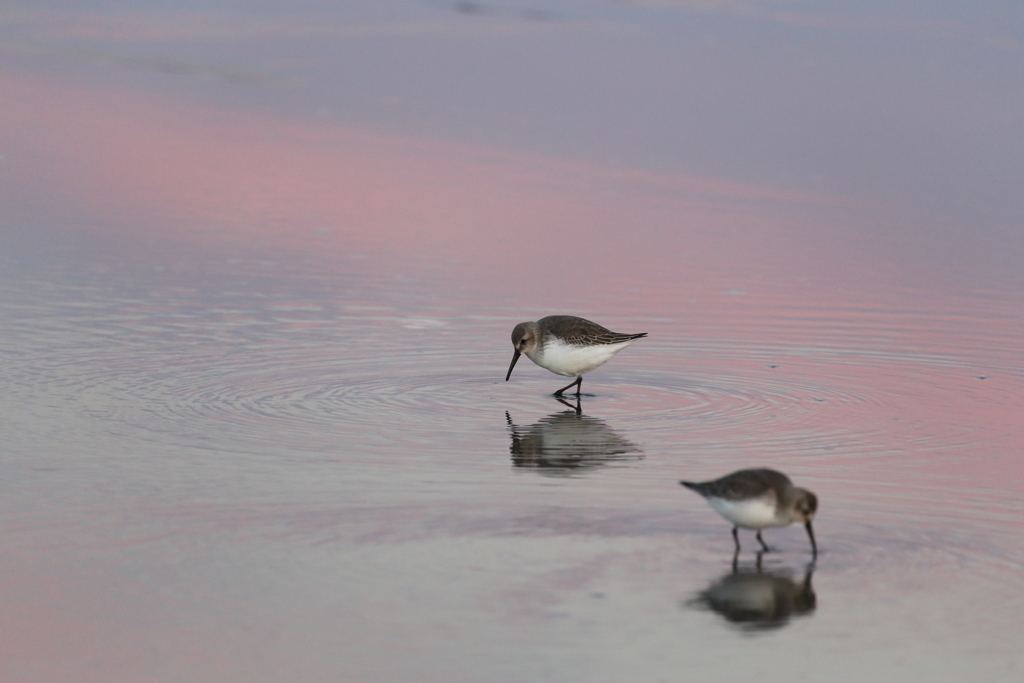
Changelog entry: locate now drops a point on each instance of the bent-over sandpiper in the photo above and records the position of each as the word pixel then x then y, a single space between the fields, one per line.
pixel 567 345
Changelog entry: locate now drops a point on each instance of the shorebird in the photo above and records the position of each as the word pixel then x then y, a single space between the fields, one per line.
pixel 567 345
pixel 757 499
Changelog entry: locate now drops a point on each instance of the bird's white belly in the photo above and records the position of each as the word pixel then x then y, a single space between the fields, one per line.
pixel 572 361
pixel 756 513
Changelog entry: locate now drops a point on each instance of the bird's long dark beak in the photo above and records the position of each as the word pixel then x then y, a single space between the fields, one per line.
pixel 512 365
pixel 810 534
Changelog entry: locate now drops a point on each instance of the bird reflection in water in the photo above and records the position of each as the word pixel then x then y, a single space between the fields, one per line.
pixel 568 443
pixel 756 599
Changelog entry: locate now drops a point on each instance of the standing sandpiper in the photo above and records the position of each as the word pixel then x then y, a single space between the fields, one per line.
pixel 567 345
pixel 756 499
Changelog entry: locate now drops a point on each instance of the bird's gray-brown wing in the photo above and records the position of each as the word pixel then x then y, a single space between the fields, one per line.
pixel 740 485
pixel 582 332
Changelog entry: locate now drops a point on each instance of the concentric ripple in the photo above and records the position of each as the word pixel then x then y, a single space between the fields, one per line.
pixel 248 375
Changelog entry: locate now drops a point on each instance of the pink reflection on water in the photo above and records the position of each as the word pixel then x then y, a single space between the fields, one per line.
pixel 506 221
pixel 531 230
pixel 710 259
pixel 825 289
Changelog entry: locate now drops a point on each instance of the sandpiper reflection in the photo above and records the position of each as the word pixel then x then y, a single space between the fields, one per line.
pixel 756 599
pixel 567 443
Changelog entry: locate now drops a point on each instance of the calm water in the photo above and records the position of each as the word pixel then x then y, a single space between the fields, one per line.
pixel 258 270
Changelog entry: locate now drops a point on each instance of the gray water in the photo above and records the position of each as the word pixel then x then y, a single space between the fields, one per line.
pixel 259 265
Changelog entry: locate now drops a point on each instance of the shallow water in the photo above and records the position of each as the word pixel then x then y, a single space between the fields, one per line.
pixel 255 327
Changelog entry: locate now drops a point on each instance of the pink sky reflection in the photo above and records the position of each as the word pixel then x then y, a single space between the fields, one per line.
pixel 699 258
pixel 515 229
pixel 502 218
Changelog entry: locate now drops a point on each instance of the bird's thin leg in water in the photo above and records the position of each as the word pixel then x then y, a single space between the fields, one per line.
pixel 761 541
pixel 577 383
pixel 736 538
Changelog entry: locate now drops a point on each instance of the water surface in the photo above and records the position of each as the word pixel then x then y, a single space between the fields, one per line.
pixel 258 271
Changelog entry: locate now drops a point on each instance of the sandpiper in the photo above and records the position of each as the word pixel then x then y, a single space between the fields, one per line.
pixel 759 498
pixel 567 345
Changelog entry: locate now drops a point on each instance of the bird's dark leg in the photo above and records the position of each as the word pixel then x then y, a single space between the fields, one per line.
pixel 761 541
pixel 736 538
pixel 577 383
